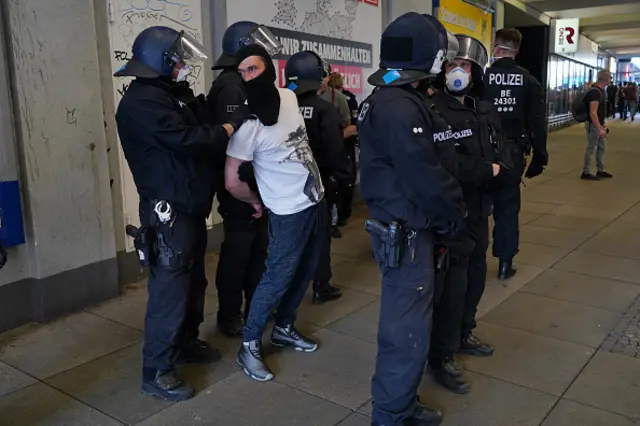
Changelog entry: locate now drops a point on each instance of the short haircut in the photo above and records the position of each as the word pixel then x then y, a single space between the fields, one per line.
pixel 509 37
pixel 604 76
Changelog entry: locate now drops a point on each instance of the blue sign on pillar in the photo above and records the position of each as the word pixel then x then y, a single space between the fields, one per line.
pixel 11 223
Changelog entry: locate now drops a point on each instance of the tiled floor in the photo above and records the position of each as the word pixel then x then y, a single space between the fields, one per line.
pixel 579 272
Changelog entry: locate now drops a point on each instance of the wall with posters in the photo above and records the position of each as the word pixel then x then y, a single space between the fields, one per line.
pixel 345 32
pixel 462 18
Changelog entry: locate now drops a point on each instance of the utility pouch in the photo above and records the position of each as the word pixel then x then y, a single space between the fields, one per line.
pixel 391 237
pixel 144 239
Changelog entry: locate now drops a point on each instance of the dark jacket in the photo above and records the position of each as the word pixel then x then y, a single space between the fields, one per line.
pixel 470 129
pixel 224 98
pixel 169 144
pixel 520 100
pixel 401 176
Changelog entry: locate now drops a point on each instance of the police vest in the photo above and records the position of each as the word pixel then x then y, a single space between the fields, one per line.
pixel 506 90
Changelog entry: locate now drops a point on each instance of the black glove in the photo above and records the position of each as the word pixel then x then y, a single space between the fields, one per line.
pixel 245 174
pixel 239 116
pixel 535 169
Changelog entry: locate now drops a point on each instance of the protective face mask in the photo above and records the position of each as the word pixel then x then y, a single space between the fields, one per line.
pixel 457 79
pixel 183 73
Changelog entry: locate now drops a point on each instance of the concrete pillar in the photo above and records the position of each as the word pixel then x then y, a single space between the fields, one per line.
pixel 62 150
pixel 396 8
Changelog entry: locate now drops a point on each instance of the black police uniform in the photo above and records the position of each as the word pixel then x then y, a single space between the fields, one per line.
pixel 520 102
pixel 463 282
pixel 325 139
pixel 169 149
pixel 244 249
pixel 402 180
pixel 346 190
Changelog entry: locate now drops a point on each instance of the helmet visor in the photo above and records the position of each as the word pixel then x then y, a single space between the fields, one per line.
pixel 188 48
pixel 264 37
pixel 473 50
pixel 453 46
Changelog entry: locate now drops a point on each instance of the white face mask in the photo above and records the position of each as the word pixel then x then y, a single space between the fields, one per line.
pixel 458 79
pixel 183 73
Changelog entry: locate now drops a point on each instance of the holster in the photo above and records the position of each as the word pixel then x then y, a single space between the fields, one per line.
pixel 144 241
pixel 391 237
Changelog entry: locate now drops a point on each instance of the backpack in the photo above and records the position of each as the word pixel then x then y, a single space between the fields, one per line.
pixel 579 108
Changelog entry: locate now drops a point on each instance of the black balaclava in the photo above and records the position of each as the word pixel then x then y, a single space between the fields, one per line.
pixel 263 97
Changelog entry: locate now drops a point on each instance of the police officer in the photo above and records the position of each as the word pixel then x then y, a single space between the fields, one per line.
pixel 169 144
pixel 410 197
pixel 476 166
pixel 336 81
pixel 244 249
pixel 304 74
pixel 520 101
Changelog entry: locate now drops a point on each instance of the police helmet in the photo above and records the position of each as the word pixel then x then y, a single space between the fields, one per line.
pixel 243 33
pixel 452 47
pixel 412 48
pixel 304 72
pixel 472 50
pixel 157 50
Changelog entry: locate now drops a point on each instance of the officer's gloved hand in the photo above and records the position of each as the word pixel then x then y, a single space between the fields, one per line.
pixel 535 169
pixel 239 116
pixel 245 174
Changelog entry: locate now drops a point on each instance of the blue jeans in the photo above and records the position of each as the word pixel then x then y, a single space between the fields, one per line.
pixel 295 242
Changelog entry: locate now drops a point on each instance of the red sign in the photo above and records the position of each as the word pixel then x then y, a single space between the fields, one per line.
pixel 352 76
pixel 371 2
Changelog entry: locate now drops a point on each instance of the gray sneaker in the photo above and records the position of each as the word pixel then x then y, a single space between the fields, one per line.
pixel 250 359
pixel 289 336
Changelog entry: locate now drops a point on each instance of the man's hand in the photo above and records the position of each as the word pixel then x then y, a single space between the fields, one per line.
pixel 534 169
pixel 602 132
pixel 496 169
pixel 229 128
pixel 259 208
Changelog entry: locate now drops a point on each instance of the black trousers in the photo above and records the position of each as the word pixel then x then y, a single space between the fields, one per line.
pixel 177 284
pixel 451 292
pixel 346 191
pixel 476 273
pixel 622 108
pixel 242 262
pixel 404 330
pixel 506 208
pixel 323 271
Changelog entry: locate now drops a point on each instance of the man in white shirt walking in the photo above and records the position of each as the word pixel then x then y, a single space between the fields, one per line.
pixel 276 142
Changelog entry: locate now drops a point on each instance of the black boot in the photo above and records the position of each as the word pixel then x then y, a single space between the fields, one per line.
pixel 472 345
pixel 424 416
pixel 165 385
pixel 506 269
pixel 447 372
pixel 233 328
pixel 325 292
pixel 198 352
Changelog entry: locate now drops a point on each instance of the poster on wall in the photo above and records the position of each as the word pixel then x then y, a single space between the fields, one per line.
pixel 345 32
pixel 460 17
pixel 127 18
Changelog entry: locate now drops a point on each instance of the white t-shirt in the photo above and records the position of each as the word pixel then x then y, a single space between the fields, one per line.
pixel 286 172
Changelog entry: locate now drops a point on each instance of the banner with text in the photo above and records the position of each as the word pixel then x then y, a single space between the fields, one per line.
pixel 345 56
pixel 460 17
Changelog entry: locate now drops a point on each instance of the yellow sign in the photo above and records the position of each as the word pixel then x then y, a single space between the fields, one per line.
pixel 462 18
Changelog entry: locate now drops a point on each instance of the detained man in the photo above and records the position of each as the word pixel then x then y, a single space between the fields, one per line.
pixel 274 139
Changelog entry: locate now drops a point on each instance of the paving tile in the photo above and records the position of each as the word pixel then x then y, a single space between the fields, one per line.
pixel 526 217
pixel 45 350
pixel 610 382
pixel 362 324
pixel 602 212
pixel 240 401
pixel 631 216
pixel 552 237
pixel 585 289
pixel 537 206
pixel 41 405
pixel 617 239
pixel 572 413
pixel 360 274
pixel 339 371
pixel 352 244
pixel 491 402
pixel 325 314
pixel 567 321
pixel 130 307
pixel 356 420
pixel 551 364
pixel 569 223
pixel 12 380
pixel 112 384
pixel 539 255
pixel 601 265
pixel 497 291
